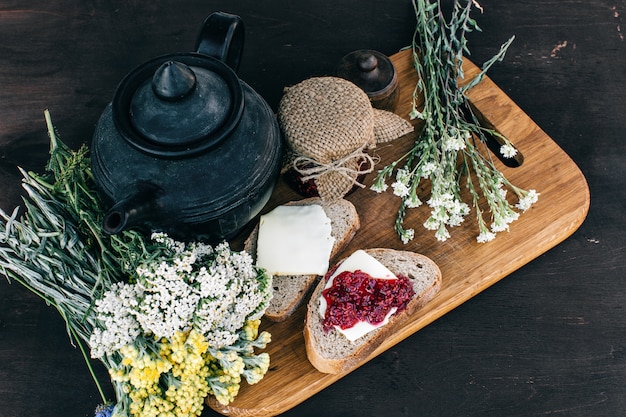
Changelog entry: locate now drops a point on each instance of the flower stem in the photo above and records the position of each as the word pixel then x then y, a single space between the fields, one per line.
pixel 446 150
pixel 88 362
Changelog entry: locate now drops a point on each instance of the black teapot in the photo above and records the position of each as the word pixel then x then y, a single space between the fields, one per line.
pixel 186 147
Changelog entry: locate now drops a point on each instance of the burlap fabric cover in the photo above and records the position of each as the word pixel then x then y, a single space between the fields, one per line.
pixel 329 124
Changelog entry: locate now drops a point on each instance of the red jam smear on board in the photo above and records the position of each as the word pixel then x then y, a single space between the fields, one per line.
pixel 357 296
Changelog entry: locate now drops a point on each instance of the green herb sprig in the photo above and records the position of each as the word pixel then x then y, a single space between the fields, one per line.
pixel 449 135
pixel 56 248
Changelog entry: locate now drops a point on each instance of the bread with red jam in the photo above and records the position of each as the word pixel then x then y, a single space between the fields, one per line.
pixel 331 351
pixel 291 290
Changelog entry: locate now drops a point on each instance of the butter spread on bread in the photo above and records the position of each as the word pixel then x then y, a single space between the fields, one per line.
pixel 295 240
pixel 330 351
pixel 289 291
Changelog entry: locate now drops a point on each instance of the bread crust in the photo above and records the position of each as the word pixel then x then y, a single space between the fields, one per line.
pixel 351 354
pixel 281 308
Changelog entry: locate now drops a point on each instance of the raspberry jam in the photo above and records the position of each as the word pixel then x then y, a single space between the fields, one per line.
pixel 357 296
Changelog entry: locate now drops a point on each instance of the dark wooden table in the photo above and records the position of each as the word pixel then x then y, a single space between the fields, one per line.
pixel 550 339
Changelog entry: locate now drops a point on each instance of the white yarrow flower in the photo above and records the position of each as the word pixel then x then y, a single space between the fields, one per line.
pixel 210 289
pixel 119 326
pixel 453 143
pixel 403 175
pixel 412 201
pixel 485 236
pixel 528 200
pixel 455 219
pixel 400 189
pixel 508 151
pixel 406 235
pixel 428 169
pixel 502 219
pixel 432 224
pixel 442 234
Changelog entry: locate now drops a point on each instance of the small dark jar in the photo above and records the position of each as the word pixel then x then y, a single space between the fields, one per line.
pixel 374 73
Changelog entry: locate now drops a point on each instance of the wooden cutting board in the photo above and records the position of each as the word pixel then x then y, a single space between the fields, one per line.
pixel 468 267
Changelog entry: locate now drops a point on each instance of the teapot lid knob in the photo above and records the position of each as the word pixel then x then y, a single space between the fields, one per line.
pixel 173 80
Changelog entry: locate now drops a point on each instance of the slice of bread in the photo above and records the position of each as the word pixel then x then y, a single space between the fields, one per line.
pixel 291 290
pixel 331 352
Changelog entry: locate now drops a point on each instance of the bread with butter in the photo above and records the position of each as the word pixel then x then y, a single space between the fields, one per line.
pixel 331 352
pixel 291 290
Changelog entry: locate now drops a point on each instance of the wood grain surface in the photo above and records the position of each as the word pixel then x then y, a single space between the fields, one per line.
pixel 467 267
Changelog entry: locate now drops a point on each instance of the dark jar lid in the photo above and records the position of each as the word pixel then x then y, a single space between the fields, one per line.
pixel 373 72
pixel 178 105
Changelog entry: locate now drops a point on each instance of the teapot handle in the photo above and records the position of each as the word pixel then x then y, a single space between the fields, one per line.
pixel 221 37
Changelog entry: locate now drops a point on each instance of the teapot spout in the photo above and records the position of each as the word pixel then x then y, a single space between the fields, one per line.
pixel 132 211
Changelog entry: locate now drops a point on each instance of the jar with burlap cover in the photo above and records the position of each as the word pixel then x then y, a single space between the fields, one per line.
pixel 329 124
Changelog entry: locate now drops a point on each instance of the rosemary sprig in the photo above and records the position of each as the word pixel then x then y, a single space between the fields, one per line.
pixel 56 248
pixel 449 135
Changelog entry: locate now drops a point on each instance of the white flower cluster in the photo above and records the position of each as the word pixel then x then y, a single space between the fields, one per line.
pixel 168 301
pixel 527 200
pixel 446 210
pixel 438 163
pixel 118 325
pixel 455 140
pixel 508 151
pixel 502 213
pixel 212 290
pixel 230 295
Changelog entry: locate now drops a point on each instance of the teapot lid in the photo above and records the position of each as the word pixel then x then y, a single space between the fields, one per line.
pixel 178 105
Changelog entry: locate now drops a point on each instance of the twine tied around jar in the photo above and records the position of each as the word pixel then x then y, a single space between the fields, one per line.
pixel 309 168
